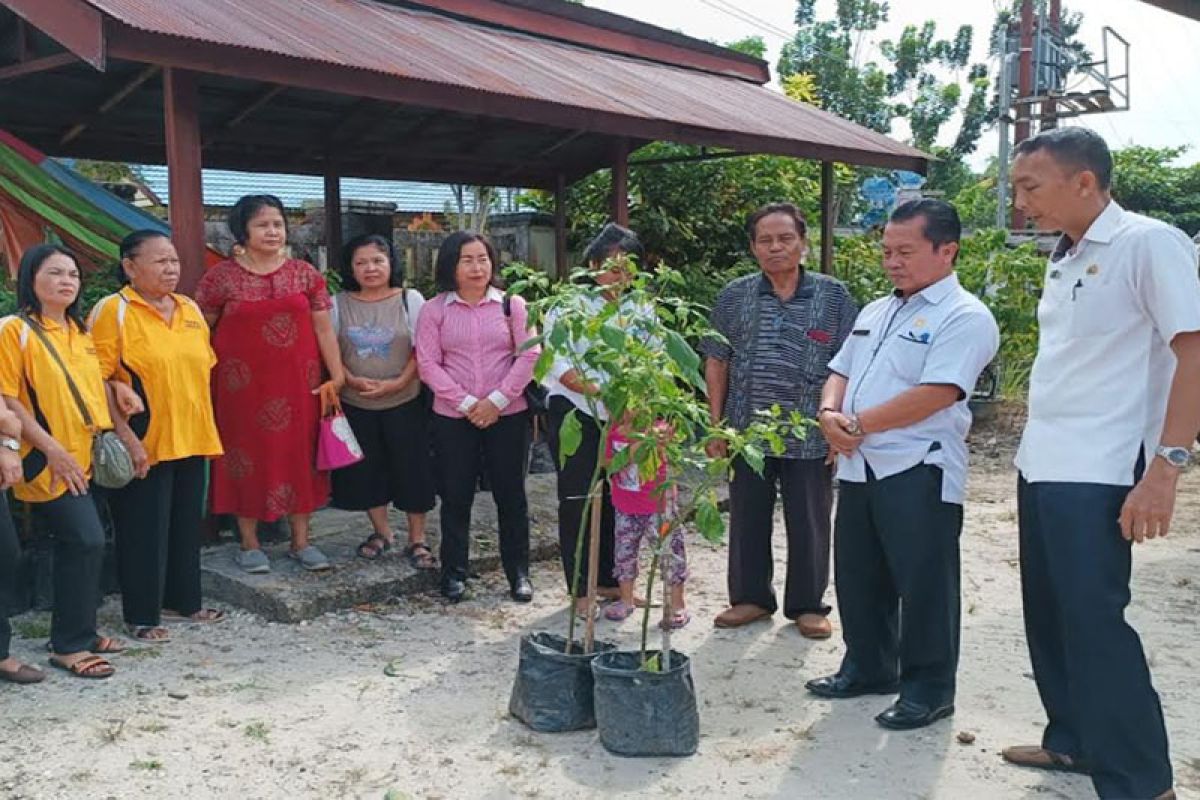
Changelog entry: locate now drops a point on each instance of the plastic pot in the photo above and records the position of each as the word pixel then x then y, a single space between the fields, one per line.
pixel 641 713
pixel 553 690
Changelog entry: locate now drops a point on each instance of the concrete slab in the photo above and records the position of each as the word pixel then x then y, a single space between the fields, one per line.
pixel 289 594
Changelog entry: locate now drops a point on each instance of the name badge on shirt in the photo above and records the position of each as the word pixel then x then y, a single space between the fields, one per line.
pixel 861 332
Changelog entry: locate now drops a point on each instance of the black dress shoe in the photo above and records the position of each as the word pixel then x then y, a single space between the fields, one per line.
pixel 522 589
pixel 454 589
pixel 839 687
pixel 905 715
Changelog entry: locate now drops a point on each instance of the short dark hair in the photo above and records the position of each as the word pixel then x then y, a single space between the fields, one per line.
pixel 942 224
pixel 614 238
pixel 787 209
pixel 447 259
pixel 246 208
pixel 349 282
pixel 1075 148
pixel 130 246
pixel 31 264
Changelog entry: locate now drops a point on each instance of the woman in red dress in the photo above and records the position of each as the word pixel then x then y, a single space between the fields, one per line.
pixel 272 331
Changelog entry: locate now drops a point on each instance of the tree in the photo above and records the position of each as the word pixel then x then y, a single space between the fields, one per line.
pixel 905 86
pixel 1145 181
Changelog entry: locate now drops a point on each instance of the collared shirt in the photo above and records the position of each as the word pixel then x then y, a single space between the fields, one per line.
pixel 1110 307
pixel 466 352
pixel 629 314
pixel 169 365
pixel 778 351
pixel 942 334
pixel 30 374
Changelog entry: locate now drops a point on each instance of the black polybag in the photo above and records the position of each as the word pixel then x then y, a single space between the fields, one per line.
pixel 640 713
pixel 553 690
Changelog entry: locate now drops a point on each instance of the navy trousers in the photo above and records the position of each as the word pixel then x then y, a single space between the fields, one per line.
pixel 896 566
pixel 1088 662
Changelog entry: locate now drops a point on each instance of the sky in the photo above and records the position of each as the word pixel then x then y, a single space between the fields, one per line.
pixel 1164 53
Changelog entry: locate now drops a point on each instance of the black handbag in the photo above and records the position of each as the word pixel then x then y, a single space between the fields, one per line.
pixel 536 396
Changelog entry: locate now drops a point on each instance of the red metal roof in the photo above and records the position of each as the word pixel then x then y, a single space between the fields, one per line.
pixel 431 48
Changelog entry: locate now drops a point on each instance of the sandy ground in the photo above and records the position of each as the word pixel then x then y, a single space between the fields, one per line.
pixel 255 710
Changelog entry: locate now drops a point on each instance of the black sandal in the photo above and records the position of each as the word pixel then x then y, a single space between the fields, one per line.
pixel 375 545
pixel 420 556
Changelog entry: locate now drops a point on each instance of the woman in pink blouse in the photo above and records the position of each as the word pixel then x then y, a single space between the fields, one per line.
pixel 468 350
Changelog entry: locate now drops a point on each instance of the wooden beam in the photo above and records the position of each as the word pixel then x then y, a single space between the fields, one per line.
pixel 186 203
pixel 74 24
pixel 111 102
pixel 561 268
pixel 333 215
pixel 36 65
pixel 260 100
pixel 827 220
pixel 620 182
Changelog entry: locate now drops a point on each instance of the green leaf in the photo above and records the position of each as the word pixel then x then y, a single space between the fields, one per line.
pixel 652 664
pixel 558 336
pixel 543 364
pixel 682 353
pixel 613 336
pixel 570 435
pixel 754 457
pixel 708 519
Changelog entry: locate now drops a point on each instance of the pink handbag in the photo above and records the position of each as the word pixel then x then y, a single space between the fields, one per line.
pixel 337 446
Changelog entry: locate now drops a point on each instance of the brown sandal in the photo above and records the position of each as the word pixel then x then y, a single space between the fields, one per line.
pixel 1028 755
pixel 420 556
pixel 23 674
pixel 204 616
pixel 373 547
pixel 91 666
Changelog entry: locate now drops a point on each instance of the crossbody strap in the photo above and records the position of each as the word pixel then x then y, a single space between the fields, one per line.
pixel 46 343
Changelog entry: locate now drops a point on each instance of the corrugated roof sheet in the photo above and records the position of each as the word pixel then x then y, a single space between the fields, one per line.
pixel 425 46
pixel 223 187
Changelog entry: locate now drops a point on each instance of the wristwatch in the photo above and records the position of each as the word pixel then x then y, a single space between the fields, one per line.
pixel 855 428
pixel 1178 457
pixel 10 443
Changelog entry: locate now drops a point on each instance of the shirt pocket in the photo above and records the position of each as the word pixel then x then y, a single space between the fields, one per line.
pixel 818 352
pixel 1099 306
pixel 906 359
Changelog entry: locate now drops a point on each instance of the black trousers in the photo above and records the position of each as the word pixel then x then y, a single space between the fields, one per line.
pixel 807 489
pixel 10 556
pixel 1088 662
pixel 156 520
pixel 574 478
pixel 395 465
pixel 78 538
pixel 457 445
pixel 896 562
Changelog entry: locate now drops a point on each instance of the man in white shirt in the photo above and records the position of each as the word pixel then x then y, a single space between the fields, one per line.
pixel 1114 405
pixel 895 411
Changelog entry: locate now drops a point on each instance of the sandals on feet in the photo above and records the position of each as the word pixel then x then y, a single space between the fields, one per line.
pixel 679 619
pixel 374 546
pixel 150 634
pixel 619 611
pixel 22 674
pixel 1041 758
pixel 420 556
pixel 203 616
pixel 90 666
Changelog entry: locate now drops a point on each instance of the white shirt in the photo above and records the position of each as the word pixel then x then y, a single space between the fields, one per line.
pixel 1109 310
pixel 940 335
pixel 628 314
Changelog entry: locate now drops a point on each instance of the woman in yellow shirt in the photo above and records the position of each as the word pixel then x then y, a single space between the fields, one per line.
pixel 56 457
pixel 154 350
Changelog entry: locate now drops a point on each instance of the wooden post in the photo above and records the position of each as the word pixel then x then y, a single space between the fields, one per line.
pixel 827 217
pixel 181 109
pixel 561 268
pixel 1024 110
pixel 589 636
pixel 333 215
pixel 620 182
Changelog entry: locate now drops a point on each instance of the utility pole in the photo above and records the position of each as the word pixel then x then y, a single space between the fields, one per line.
pixel 1024 89
pixel 1049 109
pixel 1005 109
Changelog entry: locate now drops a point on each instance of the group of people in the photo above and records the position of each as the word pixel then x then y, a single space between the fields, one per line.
pixel 1114 406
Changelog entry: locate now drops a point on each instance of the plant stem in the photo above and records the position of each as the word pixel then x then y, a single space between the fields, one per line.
pixel 646 609
pixel 665 552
